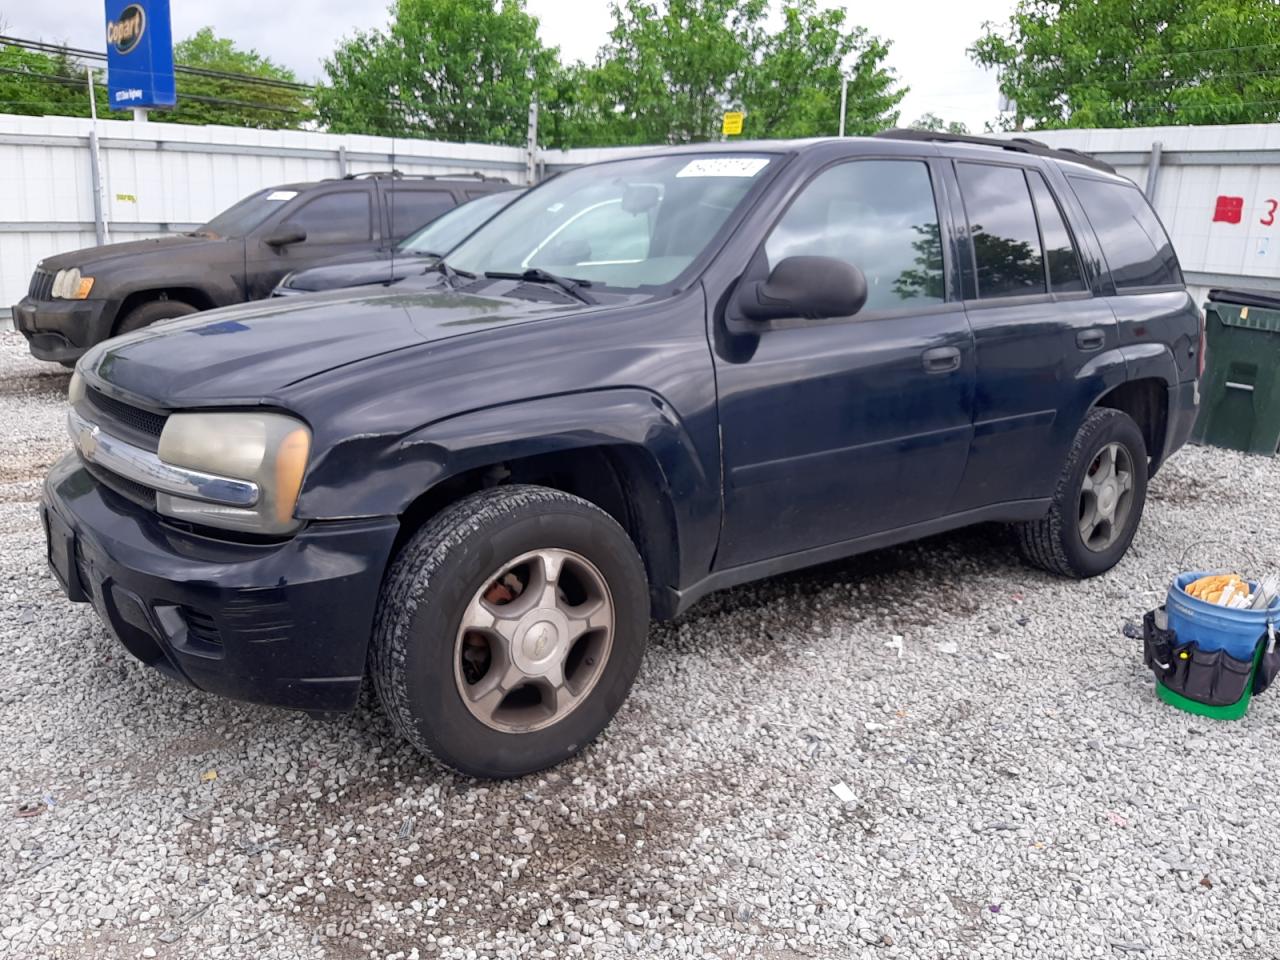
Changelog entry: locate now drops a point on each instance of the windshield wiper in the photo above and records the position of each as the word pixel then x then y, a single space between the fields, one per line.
pixel 537 275
pixel 450 275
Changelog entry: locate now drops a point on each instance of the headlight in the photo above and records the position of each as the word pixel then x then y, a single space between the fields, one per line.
pixel 75 389
pixel 69 285
pixel 268 449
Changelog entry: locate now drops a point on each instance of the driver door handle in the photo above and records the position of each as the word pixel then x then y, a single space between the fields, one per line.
pixel 941 360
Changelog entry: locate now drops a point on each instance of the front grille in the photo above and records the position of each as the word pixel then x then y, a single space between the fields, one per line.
pixel 143 496
pixel 201 627
pixel 41 286
pixel 135 419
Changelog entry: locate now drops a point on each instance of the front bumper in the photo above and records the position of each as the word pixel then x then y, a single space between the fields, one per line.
pixel 62 330
pixel 284 623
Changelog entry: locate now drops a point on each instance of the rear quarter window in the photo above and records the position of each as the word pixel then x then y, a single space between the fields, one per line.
pixel 1137 250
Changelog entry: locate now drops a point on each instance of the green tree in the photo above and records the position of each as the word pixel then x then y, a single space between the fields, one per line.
pixel 670 70
pixel 444 69
pixel 269 98
pixel 37 84
pixel 1122 63
pixel 792 88
pixel 933 122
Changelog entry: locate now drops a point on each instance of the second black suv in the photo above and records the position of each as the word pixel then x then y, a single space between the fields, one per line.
pixel 81 298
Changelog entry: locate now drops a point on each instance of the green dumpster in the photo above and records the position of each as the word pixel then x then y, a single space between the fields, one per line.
pixel 1240 408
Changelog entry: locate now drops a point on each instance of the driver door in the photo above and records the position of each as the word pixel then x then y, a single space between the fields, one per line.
pixel 843 428
pixel 336 222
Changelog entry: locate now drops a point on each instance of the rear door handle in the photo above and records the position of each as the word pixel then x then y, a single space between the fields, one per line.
pixel 1093 339
pixel 941 360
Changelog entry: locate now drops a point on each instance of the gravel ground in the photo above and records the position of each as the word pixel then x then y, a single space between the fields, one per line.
pixel 1017 791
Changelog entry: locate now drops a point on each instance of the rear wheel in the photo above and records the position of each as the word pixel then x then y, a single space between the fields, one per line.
pixel 1098 502
pixel 509 631
pixel 148 313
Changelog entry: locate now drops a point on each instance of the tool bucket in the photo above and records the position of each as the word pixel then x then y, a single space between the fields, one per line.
pixel 1214 652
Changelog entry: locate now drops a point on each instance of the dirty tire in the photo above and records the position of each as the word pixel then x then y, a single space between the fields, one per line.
pixel 1054 542
pixel 426 592
pixel 149 313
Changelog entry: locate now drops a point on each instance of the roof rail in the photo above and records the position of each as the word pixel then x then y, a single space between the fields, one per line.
pixel 1017 144
pixel 401 175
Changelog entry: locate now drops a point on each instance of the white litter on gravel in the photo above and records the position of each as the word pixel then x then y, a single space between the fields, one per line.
pixel 1025 796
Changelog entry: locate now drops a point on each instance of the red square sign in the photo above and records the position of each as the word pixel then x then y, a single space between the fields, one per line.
pixel 1228 210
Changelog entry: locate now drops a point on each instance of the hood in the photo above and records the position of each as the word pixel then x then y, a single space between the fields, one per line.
pixel 251 352
pixel 131 250
pixel 357 272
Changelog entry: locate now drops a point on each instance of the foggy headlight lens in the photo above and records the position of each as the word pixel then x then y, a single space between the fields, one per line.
pixel 69 285
pixel 269 449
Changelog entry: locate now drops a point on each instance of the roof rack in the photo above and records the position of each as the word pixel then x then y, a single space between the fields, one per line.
pixel 1017 144
pixel 401 175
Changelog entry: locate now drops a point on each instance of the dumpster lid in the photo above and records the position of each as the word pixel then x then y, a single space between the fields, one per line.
pixel 1267 299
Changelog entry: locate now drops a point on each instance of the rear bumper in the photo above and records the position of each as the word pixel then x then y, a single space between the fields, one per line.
pixel 285 624
pixel 1184 407
pixel 62 330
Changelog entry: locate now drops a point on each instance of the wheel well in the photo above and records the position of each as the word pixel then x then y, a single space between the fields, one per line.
pixel 622 481
pixel 1147 403
pixel 189 295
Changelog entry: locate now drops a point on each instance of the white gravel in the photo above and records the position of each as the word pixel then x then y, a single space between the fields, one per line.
pixel 1017 789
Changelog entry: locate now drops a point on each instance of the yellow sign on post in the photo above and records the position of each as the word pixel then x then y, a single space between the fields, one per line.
pixel 732 123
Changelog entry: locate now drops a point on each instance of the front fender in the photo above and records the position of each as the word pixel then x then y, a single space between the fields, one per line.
pixel 395 474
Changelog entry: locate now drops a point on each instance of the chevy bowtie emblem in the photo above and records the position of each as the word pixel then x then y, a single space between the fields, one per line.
pixel 89 442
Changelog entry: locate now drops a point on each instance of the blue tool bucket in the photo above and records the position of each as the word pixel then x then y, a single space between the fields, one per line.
pixel 1212 627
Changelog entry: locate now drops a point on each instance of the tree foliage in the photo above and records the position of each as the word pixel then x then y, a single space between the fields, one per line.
pixel 933 122
pixel 444 69
pixel 670 71
pixel 37 84
pixel 234 102
pixel 1121 63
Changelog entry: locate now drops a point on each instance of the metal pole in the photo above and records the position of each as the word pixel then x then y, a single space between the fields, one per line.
pixel 95 170
pixel 140 114
pixel 1153 170
pixel 531 161
pixel 342 160
pixel 844 99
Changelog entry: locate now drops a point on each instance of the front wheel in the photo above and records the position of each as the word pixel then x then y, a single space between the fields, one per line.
pixel 509 631
pixel 1098 502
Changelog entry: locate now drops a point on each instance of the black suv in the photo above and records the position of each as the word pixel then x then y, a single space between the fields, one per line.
pixel 642 381
pixel 83 297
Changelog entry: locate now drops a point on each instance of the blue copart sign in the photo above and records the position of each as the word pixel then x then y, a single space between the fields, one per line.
pixel 139 54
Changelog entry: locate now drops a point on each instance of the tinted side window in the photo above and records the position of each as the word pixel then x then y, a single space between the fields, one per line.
pixel 1002 226
pixel 878 215
pixel 335 217
pixel 410 209
pixel 1136 248
pixel 1064 266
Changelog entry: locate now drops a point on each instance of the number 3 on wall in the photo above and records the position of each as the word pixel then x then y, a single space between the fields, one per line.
pixel 1270 218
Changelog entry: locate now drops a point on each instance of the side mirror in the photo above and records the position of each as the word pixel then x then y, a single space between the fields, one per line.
pixel 285 236
pixel 811 287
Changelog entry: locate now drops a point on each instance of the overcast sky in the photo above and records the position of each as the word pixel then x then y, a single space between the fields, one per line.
pixel 929 37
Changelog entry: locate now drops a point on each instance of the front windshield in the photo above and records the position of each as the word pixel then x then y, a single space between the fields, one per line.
pixel 239 218
pixel 446 231
pixel 630 223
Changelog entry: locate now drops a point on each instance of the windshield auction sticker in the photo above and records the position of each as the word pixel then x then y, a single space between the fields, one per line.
pixel 723 167
pixel 279 195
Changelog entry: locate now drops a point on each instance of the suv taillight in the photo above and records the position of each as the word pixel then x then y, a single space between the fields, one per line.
pixel 1204 345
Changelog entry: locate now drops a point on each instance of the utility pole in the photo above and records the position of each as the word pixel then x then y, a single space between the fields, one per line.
pixel 844 99
pixel 531 145
pixel 95 167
